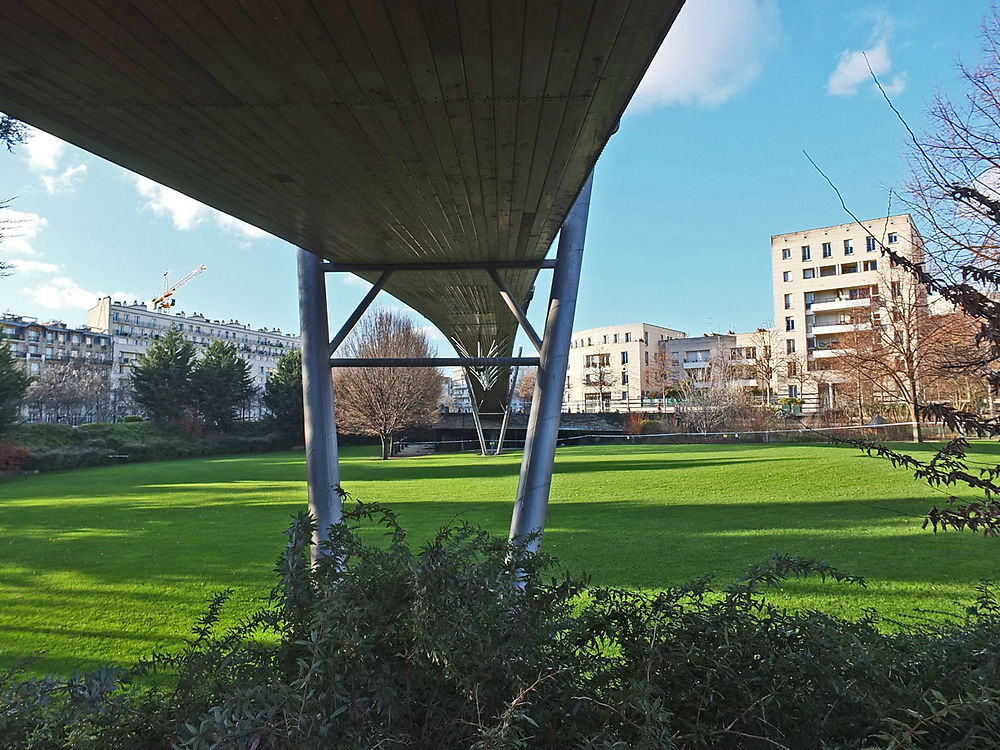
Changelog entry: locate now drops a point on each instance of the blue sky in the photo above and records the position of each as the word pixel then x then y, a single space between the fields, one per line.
pixel 707 165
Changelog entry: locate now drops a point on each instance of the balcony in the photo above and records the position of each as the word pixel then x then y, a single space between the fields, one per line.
pixel 693 364
pixel 840 304
pixel 825 353
pixel 823 329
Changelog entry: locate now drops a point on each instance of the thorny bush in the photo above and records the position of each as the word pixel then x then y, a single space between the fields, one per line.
pixel 466 644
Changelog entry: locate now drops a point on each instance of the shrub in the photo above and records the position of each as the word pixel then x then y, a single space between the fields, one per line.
pixel 12 456
pixel 464 643
pixel 131 418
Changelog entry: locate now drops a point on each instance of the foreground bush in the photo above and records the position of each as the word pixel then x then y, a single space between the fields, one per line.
pixel 464 643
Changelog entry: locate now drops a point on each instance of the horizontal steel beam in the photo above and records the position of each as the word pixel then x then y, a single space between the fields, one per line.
pixel 435 362
pixel 330 267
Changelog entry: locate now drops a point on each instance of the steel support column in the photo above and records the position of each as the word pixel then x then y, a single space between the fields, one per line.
pixel 322 470
pixel 543 422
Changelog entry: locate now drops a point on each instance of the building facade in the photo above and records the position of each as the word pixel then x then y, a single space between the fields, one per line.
pixel 81 358
pixel 608 367
pixel 825 281
pixel 132 328
pixel 714 357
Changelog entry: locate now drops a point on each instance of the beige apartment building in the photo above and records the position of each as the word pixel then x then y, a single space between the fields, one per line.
pixel 132 327
pixel 607 367
pixel 824 282
pixel 719 357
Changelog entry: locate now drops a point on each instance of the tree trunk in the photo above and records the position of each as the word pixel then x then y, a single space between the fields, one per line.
pixel 386 445
pixel 915 416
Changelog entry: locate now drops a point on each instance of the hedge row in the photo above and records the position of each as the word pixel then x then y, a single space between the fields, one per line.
pixel 53 447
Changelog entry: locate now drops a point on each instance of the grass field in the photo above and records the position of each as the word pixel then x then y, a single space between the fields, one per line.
pixel 104 565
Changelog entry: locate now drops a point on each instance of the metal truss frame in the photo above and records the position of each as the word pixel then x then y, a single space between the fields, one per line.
pixel 531 502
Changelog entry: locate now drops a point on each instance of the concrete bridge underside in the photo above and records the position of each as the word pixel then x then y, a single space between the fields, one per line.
pixel 449 138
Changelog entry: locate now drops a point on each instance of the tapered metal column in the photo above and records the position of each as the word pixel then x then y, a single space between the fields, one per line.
pixel 322 470
pixel 543 422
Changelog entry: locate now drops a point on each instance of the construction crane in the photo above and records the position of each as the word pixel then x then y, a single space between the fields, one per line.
pixel 165 298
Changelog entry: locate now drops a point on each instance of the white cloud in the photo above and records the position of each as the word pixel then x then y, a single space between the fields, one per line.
pixel 187 213
pixel 852 69
pixel 63 293
pixel 19 229
pixel 44 154
pixel 34 266
pixel 66 181
pixel 715 50
pixel 44 150
pixel 236 226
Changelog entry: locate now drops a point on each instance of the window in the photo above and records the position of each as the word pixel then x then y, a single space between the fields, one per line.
pixel 598 360
pixel 827 270
pixel 893 238
pixel 896 291
pixel 624 377
pixel 805 252
pixel 616 338
pixel 647 358
pixel 848 247
pixel 789 346
pixel 789 324
pixel 793 391
pixel 870 244
pixel 604 339
pixel 628 338
pixel 589 342
pixel 871 265
pixel 792 369
pixel 827 250
pixel 624 358
pixel 808 273
pixel 788 302
pixel 786 254
pixel 849 268
pixel 786 276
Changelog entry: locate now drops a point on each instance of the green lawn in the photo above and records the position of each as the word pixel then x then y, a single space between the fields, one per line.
pixel 104 565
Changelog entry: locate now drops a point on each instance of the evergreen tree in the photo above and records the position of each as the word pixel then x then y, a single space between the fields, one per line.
pixel 283 395
pixel 161 380
pixel 14 383
pixel 221 384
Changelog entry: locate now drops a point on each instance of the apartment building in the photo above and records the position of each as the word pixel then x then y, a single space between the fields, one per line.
pixel 825 281
pixel 38 345
pixel 132 327
pixel 713 357
pixel 607 367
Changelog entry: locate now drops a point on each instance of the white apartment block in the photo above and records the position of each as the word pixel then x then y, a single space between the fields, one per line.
pixel 729 357
pixel 823 279
pixel 607 367
pixel 132 328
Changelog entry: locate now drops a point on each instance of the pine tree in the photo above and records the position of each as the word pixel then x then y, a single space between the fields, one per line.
pixel 221 384
pixel 161 380
pixel 14 383
pixel 283 395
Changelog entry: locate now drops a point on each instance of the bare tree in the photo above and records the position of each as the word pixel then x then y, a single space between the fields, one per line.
pixel 598 379
pixel 73 392
pixel 663 376
pixel 892 346
pixel 712 398
pixel 768 360
pixel 386 401
pixel 525 389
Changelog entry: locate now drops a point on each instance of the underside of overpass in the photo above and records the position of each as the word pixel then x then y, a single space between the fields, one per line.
pixel 443 141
